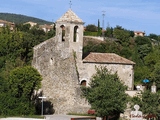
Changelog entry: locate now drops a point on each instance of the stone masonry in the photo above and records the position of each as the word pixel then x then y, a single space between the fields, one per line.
pixel 59 61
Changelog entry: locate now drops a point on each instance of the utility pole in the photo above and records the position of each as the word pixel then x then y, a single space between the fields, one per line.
pixel 103 14
pixel 42 104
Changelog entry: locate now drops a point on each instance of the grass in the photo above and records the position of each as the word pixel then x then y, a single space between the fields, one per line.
pixel 24 116
pixel 33 116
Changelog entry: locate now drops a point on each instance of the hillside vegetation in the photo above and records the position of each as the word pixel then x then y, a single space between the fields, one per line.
pixel 18 19
pixel 144 51
pixel 16 54
pixel 16 51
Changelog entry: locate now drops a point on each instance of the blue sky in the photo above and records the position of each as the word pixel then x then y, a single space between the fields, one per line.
pixel 136 15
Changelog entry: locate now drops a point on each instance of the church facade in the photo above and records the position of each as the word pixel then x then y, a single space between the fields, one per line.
pixel 59 61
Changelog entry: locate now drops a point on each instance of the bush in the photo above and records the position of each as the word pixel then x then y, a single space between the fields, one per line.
pixel 88 33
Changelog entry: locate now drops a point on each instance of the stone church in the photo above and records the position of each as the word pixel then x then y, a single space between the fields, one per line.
pixel 59 61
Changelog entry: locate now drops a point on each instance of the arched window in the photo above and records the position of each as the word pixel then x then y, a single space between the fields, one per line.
pixel 83 82
pixel 75 35
pixel 63 32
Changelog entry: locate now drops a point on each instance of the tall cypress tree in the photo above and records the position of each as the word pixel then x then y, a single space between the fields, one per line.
pixel 99 29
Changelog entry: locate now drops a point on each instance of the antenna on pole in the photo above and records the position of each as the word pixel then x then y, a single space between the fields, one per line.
pixel 70 4
pixel 103 14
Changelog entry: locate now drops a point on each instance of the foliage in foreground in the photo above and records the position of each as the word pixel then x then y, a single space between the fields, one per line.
pixel 18 82
pixel 148 102
pixel 17 96
pixel 106 93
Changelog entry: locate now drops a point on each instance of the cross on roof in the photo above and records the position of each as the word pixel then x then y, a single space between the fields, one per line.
pixel 70 3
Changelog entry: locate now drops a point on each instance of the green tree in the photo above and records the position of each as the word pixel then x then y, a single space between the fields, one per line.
pixel 21 83
pixel 141 72
pixel 126 52
pixel 106 94
pixel 122 35
pixel 109 32
pixel 132 33
pixel 19 44
pixel 155 75
pixel 4 97
pixel 23 27
pixel 51 33
pixel 91 28
pixel 99 29
pixel 148 102
pixel 142 40
pixel 153 36
pixel 152 58
pixel 143 46
pixel 23 80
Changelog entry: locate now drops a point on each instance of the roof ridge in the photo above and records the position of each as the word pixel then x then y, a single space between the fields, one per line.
pixel 69 16
pixel 106 58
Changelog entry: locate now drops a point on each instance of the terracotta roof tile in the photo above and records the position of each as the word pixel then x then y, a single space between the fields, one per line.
pixel 106 58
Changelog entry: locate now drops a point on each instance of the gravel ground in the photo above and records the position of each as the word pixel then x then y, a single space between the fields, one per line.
pixel 63 117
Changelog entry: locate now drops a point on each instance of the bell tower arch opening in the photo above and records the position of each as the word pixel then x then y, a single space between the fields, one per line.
pixel 69 32
pixel 63 32
pixel 75 34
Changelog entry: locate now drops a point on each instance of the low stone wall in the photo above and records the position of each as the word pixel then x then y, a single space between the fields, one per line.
pixel 97 38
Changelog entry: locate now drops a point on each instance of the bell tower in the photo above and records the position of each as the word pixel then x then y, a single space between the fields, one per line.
pixel 69 32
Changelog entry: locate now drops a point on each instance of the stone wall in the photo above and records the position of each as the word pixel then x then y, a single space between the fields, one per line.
pixel 59 61
pixel 125 72
pixel 60 81
pixel 95 38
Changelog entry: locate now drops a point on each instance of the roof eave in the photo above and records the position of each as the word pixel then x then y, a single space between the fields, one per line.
pixel 108 63
pixel 75 22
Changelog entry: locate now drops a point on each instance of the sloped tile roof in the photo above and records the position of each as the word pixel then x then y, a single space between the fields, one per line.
pixel 111 58
pixel 69 16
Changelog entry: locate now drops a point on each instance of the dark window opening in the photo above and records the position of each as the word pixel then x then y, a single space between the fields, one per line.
pixel 63 32
pixel 75 34
pixel 83 83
